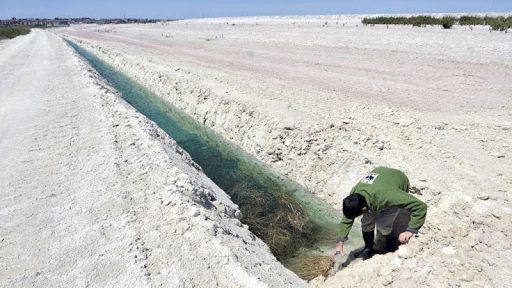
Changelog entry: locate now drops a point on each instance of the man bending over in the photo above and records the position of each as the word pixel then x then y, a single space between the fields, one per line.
pixel 379 197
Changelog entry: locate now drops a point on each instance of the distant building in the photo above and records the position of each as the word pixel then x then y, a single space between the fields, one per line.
pixel 60 22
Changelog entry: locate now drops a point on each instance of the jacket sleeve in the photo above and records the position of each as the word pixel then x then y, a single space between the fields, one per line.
pixel 417 208
pixel 344 229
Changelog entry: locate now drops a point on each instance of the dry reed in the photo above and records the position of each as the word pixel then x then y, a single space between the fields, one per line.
pixel 310 267
pixel 276 218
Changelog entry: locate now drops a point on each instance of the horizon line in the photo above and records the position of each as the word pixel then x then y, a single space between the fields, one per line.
pixel 262 15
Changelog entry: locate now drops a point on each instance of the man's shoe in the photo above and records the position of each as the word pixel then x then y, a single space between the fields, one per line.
pixel 366 253
pixel 391 243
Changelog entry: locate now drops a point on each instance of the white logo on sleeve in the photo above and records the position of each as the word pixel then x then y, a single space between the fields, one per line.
pixel 369 178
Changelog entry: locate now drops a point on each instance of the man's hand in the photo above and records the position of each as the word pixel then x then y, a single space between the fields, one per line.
pixel 338 250
pixel 404 237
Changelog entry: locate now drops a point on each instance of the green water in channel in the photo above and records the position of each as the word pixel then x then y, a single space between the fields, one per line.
pixel 223 162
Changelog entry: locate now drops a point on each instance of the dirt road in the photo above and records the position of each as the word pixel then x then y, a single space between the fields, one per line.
pixel 92 194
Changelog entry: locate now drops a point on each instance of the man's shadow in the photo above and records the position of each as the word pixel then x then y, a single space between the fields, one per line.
pixel 399 226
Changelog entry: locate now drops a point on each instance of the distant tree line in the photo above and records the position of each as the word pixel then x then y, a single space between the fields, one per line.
pixel 11 32
pixel 496 23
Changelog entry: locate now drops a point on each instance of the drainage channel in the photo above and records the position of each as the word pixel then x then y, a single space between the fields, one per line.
pixel 292 222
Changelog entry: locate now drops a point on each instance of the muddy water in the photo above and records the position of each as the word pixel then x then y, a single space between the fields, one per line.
pixel 227 165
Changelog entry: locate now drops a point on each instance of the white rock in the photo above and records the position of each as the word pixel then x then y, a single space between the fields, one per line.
pixel 467 276
pixel 385 270
pixel 397 262
pixel 182 227
pixel 194 212
pixel 404 252
pixel 448 250
pixel 405 122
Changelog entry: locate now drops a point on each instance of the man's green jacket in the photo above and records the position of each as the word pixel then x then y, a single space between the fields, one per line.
pixel 385 188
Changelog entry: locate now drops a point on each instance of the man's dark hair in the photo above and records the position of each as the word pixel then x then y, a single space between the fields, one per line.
pixel 353 205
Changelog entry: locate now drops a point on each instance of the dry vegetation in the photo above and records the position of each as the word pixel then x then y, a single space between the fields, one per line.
pixel 310 267
pixel 276 218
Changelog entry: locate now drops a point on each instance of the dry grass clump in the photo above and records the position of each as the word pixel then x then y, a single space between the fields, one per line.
pixel 277 219
pixel 310 267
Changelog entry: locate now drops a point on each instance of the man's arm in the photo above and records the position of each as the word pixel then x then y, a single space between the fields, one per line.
pixel 417 208
pixel 342 235
pixel 344 229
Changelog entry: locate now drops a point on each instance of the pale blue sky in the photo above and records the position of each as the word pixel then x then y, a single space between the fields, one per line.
pixel 204 8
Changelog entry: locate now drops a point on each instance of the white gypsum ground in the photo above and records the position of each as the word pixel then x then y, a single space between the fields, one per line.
pixel 324 99
pixel 94 194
